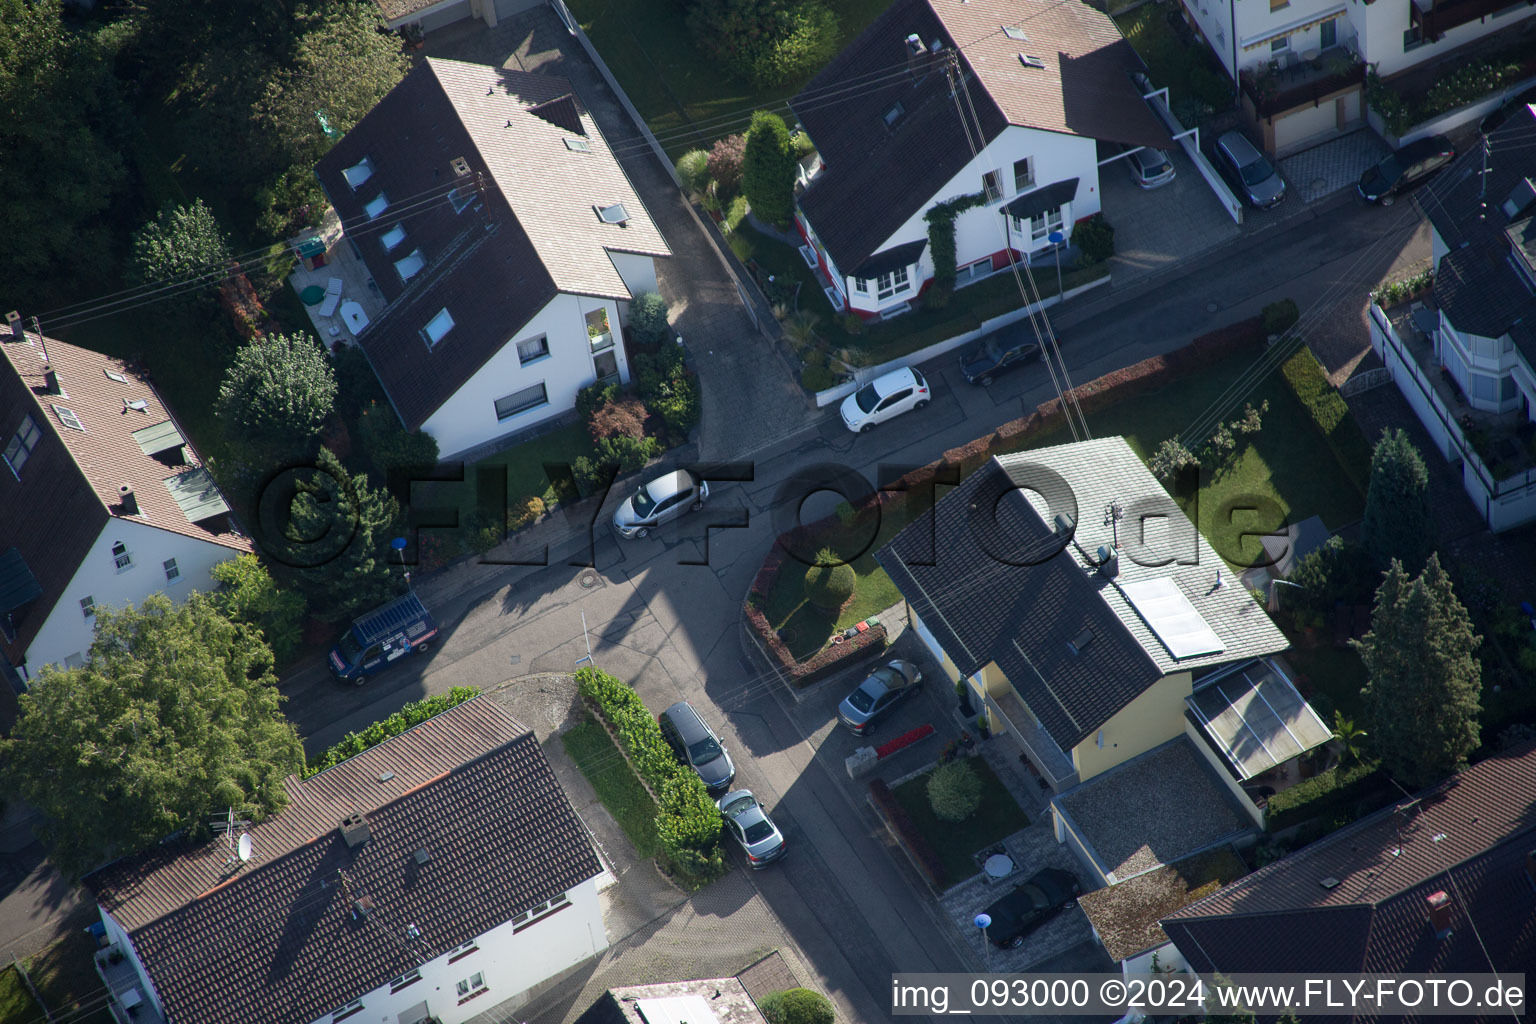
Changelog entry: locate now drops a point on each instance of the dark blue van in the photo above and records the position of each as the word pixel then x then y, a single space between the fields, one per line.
pixel 382 637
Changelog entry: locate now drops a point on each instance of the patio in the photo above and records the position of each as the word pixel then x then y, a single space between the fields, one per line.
pixel 341 311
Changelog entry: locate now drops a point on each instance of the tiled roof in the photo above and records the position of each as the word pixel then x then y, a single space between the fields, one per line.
pixel 277 942
pixel 530 232
pixel 68 488
pixel 877 177
pixel 1356 899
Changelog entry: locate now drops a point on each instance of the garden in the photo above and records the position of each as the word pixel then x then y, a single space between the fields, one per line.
pixel 1424 93
pixel 65 978
pixel 946 814
pixel 1178 62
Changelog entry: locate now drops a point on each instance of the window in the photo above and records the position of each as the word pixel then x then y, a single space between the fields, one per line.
pixel 1328 34
pixel 393 237
pixel 68 418
pixel 124 380
pixel 521 401
pixel 405 980
pixel 172 574
pixel 1412 39
pixel 462 197
pixel 358 173
pixel 891 116
pixel 861 285
pixel 598 332
pixel 22 443
pixel 1041 225
pixel 1280 45
pixel 88 606
pixel 460 952
pixel 614 213
pixel 887 285
pixel 437 327
pixel 376 205
pixel 583 146
pixel 1024 174
pixel 473 983
pixel 410 266
pixel 121 557
pixel 74 660
pixel 1279 5
pixel 343 1012
pixel 533 348
pixel 992 186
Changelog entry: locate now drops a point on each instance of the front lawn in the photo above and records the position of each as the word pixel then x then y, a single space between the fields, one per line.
pixel 525 472
pixel 616 784
pixel 1184 66
pixel 957 842
pixel 16 1004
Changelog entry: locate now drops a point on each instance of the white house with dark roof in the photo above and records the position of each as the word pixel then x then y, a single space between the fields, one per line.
pixel 1043 84
pixel 433 877
pixel 506 241
pixel 103 501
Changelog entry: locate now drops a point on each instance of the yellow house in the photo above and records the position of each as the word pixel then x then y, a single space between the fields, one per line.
pixel 1078 603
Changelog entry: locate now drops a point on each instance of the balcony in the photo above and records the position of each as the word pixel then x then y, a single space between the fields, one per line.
pixel 1280 86
pixel 1008 709
pixel 1434 18
pixel 129 1003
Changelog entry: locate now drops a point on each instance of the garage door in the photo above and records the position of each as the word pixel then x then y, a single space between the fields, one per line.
pixel 1294 130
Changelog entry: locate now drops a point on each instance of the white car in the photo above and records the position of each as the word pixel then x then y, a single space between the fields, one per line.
pixel 884 398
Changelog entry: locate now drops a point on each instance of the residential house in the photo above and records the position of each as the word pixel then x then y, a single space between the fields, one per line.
pixel 506 240
pixel 709 1001
pixel 432 877
pixel 1443 883
pixel 1466 359
pixel 940 99
pixel 1302 63
pixel 103 501
pixel 428 15
pixel 1085 635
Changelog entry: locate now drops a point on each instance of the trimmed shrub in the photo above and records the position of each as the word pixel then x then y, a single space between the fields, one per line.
pixel 1280 316
pixel 668 388
pixel 830 583
pixel 524 512
pixel 915 843
pixel 1095 239
pixel 648 319
pixel 1329 411
pixel 622 417
pixel 954 790
pixel 817 378
pixel 768 169
pixel 796 1006
pixel 724 164
pixel 593 395
pixel 1338 792
pixel 410 715
pixel 693 169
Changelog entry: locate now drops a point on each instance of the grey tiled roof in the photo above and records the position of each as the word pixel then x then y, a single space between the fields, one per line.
pixel 277 942
pixel 1467 837
pixel 1025 617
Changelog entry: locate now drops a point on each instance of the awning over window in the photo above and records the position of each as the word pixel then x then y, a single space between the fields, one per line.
pixel 1048 197
pixel 903 255
pixel 1257 719
pixel 17 584
pixel 1299 25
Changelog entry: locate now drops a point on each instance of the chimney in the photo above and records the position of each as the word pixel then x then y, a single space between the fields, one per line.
pixel 354 830
pixel 51 381
pixel 126 498
pixel 13 320
pixel 916 55
pixel 1109 561
pixel 1440 907
pixel 361 907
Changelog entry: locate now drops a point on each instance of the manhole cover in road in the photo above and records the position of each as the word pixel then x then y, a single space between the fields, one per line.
pixel 588 580
pixel 1212 307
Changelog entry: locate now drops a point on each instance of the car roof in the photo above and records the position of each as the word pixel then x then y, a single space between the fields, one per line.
pixel 1237 144
pixel 746 814
pixel 664 487
pixel 683 715
pixel 901 377
pixel 1427 147
pixel 1147 156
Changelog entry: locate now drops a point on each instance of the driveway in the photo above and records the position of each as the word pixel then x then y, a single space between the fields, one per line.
pixel 1157 228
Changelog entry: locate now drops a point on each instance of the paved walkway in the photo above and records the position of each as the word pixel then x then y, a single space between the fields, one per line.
pixel 1334 166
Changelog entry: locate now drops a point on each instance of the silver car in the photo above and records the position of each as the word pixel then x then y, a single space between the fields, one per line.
pixel 1260 183
pixel 755 832
pixel 880 692
pixel 1151 167
pixel 659 501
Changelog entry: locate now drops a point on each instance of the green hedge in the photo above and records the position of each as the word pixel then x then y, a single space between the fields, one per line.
pixel 412 714
pixel 1331 413
pixel 687 821
pixel 1335 792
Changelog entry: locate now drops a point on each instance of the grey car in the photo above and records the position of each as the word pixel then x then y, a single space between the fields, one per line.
pixel 880 692
pixel 1151 167
pixel 696 745
pixel 659 501
pixel 748 824
pixel 1259 182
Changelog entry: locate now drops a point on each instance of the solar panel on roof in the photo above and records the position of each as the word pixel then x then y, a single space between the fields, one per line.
pixel 1181 628
pixel 158 437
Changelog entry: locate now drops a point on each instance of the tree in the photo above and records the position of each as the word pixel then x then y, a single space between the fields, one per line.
pixel 175 716
pixel 830 583
pixel 248 594
pixel 648 318
pixel 724 164
pixel 1397 522
pixel 1421 703
pixel 182 244
pixel 797 1006
pixel 277 392
pixel 1349 738
pixel 954 790
pixel 768 169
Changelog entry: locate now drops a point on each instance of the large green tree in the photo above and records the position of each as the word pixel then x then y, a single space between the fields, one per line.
pixel 247 593
pixel 180 247
pixel 1422 701
pixel 175 717
pixel 59 132
pixel 768 169
pixel 1397 522
pixel 278 392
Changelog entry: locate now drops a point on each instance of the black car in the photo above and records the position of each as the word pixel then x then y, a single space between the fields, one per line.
pixel 1029 906
pixel 1405 168
pixel 1502 112
pixel 998 353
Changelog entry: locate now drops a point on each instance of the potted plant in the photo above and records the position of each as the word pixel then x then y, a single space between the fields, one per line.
pixel 984 724
pixel 963 693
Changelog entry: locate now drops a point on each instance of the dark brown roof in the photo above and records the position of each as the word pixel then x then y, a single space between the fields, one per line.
pixel 68 489
pixel 530 232
pixel 1356 900
pixel 878 177
pixel 278 943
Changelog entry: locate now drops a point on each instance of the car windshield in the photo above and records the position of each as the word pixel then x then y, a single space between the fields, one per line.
pixel 350 648
pixel 758 831
pixel 738 805
pixel 1390 168
pixel 888 676
pixel 1257 171
pixel 993 348
pixel 643 502
pixel 867 398
pixel 863 698
pixel 704 751
pixel 1032 895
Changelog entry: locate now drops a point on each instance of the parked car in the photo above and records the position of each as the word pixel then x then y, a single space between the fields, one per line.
pixel 1495 120
pixel 1151 167
pixel 749 824
pixel 377 640
pixel 1011 347
pixel 1030 905
pixel 696 745
pixel 1407 167
pixel 883 689
pixel 1260 183
pixel 659 501
pixel 884 398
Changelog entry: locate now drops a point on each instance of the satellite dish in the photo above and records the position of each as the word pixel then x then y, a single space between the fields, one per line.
pixel 245 848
